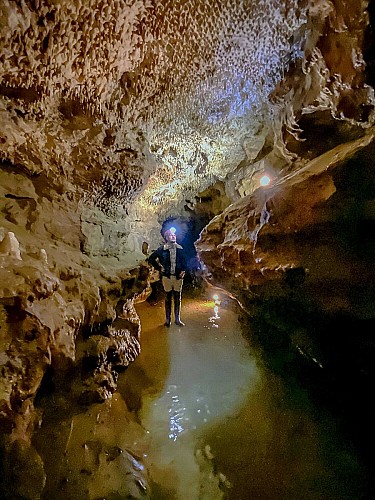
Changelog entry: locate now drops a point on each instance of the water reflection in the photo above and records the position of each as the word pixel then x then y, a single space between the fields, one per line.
pixel 221 425
pixel 216 316
pixel 210 372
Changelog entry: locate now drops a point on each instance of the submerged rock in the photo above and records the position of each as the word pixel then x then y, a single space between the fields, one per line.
pixel 24 475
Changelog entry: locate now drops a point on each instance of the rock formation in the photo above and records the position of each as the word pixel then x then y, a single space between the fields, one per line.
pixel 116 115
pixel 67 320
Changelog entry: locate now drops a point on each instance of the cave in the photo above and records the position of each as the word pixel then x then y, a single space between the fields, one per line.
pixel 119 118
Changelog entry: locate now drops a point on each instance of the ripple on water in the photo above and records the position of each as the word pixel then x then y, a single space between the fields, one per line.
pixel 209 405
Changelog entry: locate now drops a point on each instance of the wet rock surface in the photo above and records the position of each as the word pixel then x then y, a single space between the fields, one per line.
pixel 97 453
pixel 112 123
pixel 24 474
pixel 300 258
pixel 68 324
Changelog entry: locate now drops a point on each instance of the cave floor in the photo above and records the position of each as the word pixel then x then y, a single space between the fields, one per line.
pixel 220 424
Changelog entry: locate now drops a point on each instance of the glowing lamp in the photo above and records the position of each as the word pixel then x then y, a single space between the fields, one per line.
pixel 264 180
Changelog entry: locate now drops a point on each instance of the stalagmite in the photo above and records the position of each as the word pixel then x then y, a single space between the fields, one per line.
pixel 10 246
pixel 118 115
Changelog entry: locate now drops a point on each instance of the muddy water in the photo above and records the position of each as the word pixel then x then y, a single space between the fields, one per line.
pixel 221 425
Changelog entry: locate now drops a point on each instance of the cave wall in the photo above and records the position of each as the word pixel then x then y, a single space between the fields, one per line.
pixel 115 116
pixel 67 314
pixel 50 282
pixel 312 228
pixel 255 241
pixel 300 258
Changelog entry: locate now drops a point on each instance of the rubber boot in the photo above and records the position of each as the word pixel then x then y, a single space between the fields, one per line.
pixel 168 308
pixel 177 308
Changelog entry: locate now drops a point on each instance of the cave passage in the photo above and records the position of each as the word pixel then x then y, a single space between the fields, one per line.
pixel 222 425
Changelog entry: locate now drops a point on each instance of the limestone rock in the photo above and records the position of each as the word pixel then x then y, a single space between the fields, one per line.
pixel 148 105
pixel 24 475
pixel 262 239
pixel 52 297
pixel 299 257
pixel 10 246
pixel 112 123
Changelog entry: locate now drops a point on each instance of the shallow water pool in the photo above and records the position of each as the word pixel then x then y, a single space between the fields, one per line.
pixel 221 425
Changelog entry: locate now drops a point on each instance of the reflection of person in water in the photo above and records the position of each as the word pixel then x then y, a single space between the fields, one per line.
pixel 170 261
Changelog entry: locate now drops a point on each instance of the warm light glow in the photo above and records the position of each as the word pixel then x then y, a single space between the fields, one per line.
pixel 216 312
pixel 265 180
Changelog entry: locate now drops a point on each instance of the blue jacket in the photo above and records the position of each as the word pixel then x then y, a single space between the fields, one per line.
pixel 161 260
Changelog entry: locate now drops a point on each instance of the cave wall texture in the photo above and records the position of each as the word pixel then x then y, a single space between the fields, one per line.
pixel 115 115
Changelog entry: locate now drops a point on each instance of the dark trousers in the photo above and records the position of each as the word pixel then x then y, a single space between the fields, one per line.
pixel 168 306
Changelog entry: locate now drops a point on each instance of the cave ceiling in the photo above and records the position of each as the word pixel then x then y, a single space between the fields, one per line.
pixel 137 106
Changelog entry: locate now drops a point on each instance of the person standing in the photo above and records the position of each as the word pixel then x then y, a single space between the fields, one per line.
pixel 169 259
